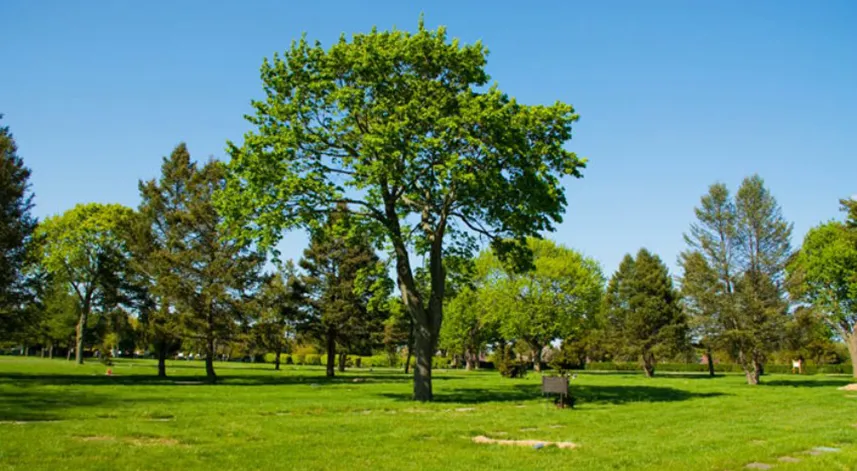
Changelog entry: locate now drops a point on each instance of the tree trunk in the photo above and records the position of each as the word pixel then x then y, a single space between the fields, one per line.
pixel 331 354
pixel 51 352
pixel 710 361
pixel 422 370
pixel 469 360
pixel 537 358
pixel 343 357
pixel 25 350
pixel 277 359
pixel 68 353
pixel 162 361
pixel 649 364
pixel 426 319
pixel 81 330
pixel 209 361
pixel 852 350
pixel 408 358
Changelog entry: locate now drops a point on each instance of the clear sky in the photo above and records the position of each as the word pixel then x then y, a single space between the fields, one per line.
pixel 673 95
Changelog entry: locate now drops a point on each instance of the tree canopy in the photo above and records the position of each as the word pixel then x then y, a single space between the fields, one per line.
pixel 404 129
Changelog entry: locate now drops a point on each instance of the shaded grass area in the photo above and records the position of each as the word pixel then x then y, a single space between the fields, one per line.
pixel 55 415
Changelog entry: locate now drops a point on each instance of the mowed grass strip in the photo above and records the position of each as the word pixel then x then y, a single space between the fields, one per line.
pixel 55 415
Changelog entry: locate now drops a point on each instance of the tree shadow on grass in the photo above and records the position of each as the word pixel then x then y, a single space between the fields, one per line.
pixel 583 394
pixel 41 405
pixel 807 383
pixel 224 379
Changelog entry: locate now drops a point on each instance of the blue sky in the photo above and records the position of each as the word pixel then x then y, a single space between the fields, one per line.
pixel 673 96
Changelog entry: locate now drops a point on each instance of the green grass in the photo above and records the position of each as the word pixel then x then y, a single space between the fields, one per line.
pixel 77 418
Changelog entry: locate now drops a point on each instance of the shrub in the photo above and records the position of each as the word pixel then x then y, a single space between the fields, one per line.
pixel 508 365
pixel 300 359
pixel 312 359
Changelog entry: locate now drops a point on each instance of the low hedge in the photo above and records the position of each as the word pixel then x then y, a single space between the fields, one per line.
pixel 718 368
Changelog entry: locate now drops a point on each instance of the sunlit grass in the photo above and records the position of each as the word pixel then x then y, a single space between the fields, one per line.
pixel 59 416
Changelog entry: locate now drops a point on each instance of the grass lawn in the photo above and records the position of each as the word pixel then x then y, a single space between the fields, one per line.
pixel 54 415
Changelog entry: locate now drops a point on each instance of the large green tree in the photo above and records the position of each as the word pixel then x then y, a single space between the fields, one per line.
pixel 200 275
pixel 824 273
pixel 642 311
pixel 346 287
pixel 734 273
pixel 16 228
pixel 87 248
pixel 405 129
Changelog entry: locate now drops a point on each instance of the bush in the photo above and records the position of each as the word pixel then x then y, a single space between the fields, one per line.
pixel 288 360
pixel 300 359
pixel 508 365
pixel 440 362
pixel 313 359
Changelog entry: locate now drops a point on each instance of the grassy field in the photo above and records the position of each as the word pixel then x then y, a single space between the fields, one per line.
pixel 54 415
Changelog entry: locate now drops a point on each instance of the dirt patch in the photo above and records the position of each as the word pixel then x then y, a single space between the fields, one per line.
pixel 850 387
pixel 529 429
pixel 148 441
pixel 759 466
pixel 465 409
pixel 98 438
pixel 557 426
pixel 788 459
pixel 481 439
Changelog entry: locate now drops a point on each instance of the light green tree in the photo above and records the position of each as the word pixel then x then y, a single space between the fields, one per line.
pixel 551 301
pixel 86 248
pixel 404 129
pixel 824 273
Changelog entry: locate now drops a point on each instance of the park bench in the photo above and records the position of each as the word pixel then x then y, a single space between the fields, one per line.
pixel 557 385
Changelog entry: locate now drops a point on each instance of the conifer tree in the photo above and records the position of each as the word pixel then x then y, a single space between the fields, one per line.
pixel 198 275
pixel 346 286
pixel 642 309
pixel 16 229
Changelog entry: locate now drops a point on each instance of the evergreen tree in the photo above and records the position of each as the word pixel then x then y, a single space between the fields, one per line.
pixel 345 285
pixel 645 319
pixel 198 275
pixel 16 228
pixel 733 279
pixel 278 307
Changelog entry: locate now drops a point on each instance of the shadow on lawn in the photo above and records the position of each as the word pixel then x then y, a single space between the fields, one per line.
pixel 807 383
pixel 40 405
pixel 584 394
pixel 224 379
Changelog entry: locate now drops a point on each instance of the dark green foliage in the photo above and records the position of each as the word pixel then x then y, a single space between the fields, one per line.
pixel 642 314
pixel 199 276
pixel 507 363
pixel 734 273
pixel 346 288
pixel 16 230
pixel 278 307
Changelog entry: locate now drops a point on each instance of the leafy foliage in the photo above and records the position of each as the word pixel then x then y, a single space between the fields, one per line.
pixel 402 129
pixel 87 248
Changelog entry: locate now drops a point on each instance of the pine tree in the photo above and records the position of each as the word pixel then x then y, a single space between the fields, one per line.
pixel 16 229
pixel 199 276
pixel 346 286
pixel 642 307
pixel 734 270
pixel 278 306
